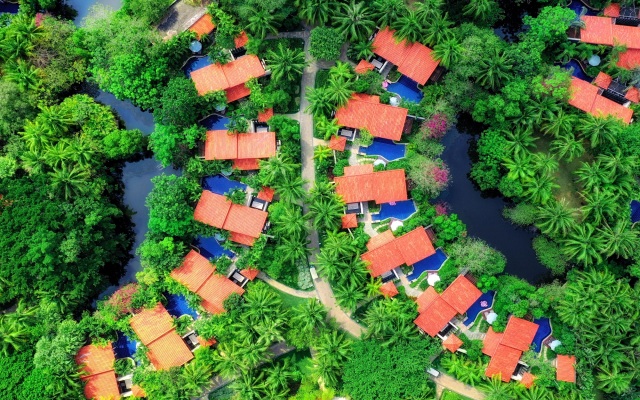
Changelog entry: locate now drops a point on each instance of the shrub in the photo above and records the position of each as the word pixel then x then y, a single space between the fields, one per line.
pixel 325 43
pixel 522 214
pixel 123 366
pixel 550 255
pixel 428 175
pixel 478 256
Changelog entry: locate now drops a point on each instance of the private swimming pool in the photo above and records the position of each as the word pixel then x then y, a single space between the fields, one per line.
pixel 484 302
pixel 124 347
pixel 577 5
pixel 211 249
pixel 220 184
pixel 215 122
pixel 9 8
pixel 386 149
pixel 543 332
pixel 635 211
pixel 431 263
pixel 400 210
pixel 177 306
pixel 576 70
pixel 407 89
pixel 195 63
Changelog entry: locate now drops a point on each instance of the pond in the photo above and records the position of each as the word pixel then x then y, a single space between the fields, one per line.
pixel 84 6
pixel 483 214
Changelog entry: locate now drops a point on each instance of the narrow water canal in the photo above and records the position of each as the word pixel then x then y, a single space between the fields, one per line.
pixel 483 214
pixel 84 6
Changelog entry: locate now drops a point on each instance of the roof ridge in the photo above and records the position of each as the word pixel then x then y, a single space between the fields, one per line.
pixel 161 336
pixel 99 373
pixel 205 281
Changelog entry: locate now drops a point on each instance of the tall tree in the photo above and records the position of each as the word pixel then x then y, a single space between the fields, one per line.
pixel 448 52
pixel 494 69
pixel 556 218
pixel 316 11
pixel 583 245
pixel 387 12
pixel 285 63
pixel 409 27
pixel 354 21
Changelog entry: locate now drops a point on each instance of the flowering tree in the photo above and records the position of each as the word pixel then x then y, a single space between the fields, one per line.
pixel 435 127
pixel 428 175
pixel 120 300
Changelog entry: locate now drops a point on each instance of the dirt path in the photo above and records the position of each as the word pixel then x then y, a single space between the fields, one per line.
pixel 449 382
pixel 286 289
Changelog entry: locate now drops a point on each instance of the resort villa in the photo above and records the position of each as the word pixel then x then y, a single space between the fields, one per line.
pixel 386 252
pixel 361 184
pixel 200 277
pixel 243 222
pixel 155 330
pixel 437 311
pixel 596 101
pixel 366 112
pixel 505 349
pixel 566 368
pixel 244 149
pixel 230 77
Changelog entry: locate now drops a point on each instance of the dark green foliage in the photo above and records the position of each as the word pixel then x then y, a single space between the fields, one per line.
pixel 150 11
pixel 180 104
pixel 15 110
pixel 476 255
pixel 170 205
pixel 14 373
pixel 325 43
pixel 122 144
pixel 491 152
pixel 172 145
pixel 550 255
pixel 406 362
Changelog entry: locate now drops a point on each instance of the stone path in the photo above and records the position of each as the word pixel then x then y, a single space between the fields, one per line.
pixel 284 288
pixel 448 382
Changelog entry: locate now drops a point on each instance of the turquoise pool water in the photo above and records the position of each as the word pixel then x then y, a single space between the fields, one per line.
pixel 407 89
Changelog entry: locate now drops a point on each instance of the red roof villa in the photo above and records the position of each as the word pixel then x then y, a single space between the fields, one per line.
pixel 589 98
pixel 505 349
pixel 245 149
pixel 366 112
pixel 245 223
pixel 361 184
pixel 230 77
pixel 387 252
pixel 413 60
pixel 99 375
pixel 437 310
pixel 566 368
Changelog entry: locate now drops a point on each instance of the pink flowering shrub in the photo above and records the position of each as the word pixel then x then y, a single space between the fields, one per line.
pixel 435 127
pixel 431 176
pixel 442 208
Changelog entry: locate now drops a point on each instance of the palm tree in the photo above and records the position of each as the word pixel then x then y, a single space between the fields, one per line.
pixel 329 265
pixel 361 50
pixel 293 249
pixel 599 130
pixel 71 181
pixel 428 9
pixel 322 153
pixel 519 141
pixel 480 10
pixel 291 223
pixel 494 70
pixel 56 119
pixel 540 110
pixel 249 386
pixel 619 239
pixel 36 135
pixel 583 245
pixel 448 52
pixel 373 287
pixel 556 218
pixel 437 30
pixel 567 147
pixel 386 12
pixel 321 190
pixel 310 316
pixel 409 27
pixel 13 334
pixel 276 169
pixel 319 102
pixel 196 375
pixel 326 213
pixel 291 188
pixel 495 389
pixel 348 296
pixel 285 63
pixel 24 74
pixel 544 163
pixel 262 22
pixel 617 163
pixel 327 127
pixel 339 91
pixel 539 189
pixel 519 167
pixel 593 175
pixel 316 12
pixel 59 154
pixel 558 125
pixel 341 70
pixel 535 393
pixel 270 330
pixel 599 205
pixel 32 162
pixel 611 379
pixel 354 21
pixel 340 243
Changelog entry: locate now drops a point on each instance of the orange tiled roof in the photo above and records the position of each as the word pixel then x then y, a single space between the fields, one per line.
pixel 461 294
pixel 566 368
pixel 426 298
pixel 206 343
pixel 491 342
pixel 598 30
pixel 266 194
pixel 169 351
pixel 586 97
pixel 250 273
pixel 215 291
pixel 407 249
pixel 435 317
pixel 265 115
pixel 203 26
pixel 630 59
pixel 241 40
pixel 369 98
pixel 603 80
pixel 101 386
pixel 215 210
pixel 363 66
pixel 527 379
pixel 380 240
pixel 413 60
pixel 519 333
pixel 633 95
pixel 362 169
pixel 504 362
pixel 452 343
pixel 222 145
pixel 237 92
pixel 349 221
pixel 381 120
pixel 152 323
pixel 337 143
pixel 242 239
pixel 246 164
pixel 389 289
pixel 628 36
pixel 612 10
pixel 381 187
pixel 99 376
pixel 194 271
pixel 222 77
pixel 138 392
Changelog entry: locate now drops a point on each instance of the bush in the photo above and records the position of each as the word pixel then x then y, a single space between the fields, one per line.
pixel 325 43
pixel 123 366
pixel 478 256
pixel 522 214
pixel 550 255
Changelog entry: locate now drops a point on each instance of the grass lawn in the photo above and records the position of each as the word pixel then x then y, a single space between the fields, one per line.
pixel 288 300
pixel 449 395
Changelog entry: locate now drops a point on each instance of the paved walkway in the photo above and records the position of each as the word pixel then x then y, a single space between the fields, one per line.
pixel 413 292
pixel 448 382
pixel 180 16
pixel 284 288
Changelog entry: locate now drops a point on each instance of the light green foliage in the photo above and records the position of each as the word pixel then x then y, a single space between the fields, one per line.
pixel 122 144
pixel 448 228
pixel 476 255
pixel 8 167
pixel 550 26
pixel 522 214
pixel 170 205
pixel 325 43
pixel 354 21
pixel 164 255
pixel 519 298
pixel 550 255
pixel 150 11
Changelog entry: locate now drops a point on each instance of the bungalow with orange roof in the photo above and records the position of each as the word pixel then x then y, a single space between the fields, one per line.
pixel 367 112
pixel 361 184
pixel 505 349
pixel 244 149
pixel 363 67
pixel 566 368
pixel 198 275
pixel 349 221
pixel 230 77
pixel 386 252
pixel 389 289
pixel 613 87
pixel 262 200
pixel 436 311
pixel 98 374
pixel 244 223
pixel 203 26
pixel 155 330
pixel 590 99
pixel 414 60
